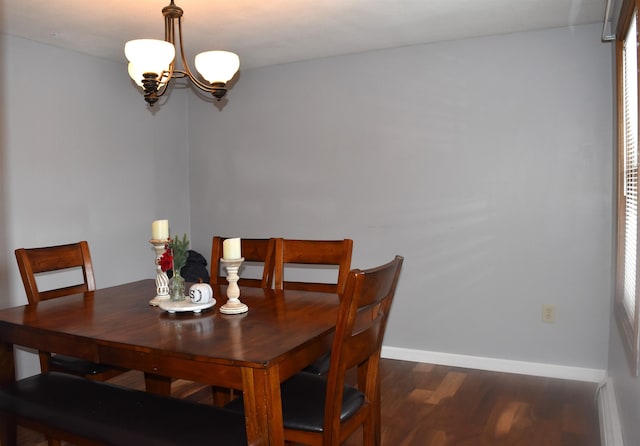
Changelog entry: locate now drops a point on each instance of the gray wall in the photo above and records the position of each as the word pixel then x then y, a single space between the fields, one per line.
pixel 82 158
pixel 485 162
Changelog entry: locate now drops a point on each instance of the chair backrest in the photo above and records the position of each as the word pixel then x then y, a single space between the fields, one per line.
pixel 313 252
pixel 33 261
pixel 255 251
pixel 362 320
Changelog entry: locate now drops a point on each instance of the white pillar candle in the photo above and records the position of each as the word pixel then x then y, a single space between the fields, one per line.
pixel 160 230
pixel 231 249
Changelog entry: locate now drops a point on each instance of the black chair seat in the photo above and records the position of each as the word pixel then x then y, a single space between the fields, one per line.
pixel 303 397
pixel 117 415
pixel 78 366
pixel 320 366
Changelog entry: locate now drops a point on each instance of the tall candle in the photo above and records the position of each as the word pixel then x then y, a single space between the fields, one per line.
pixel 231 249
pixel 160 230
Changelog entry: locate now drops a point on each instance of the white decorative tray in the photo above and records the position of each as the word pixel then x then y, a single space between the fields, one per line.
pixel 185 305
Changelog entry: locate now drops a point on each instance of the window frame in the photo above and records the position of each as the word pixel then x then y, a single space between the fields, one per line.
pixel 627 324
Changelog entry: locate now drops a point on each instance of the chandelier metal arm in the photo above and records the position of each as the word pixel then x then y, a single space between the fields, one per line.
pixel 173 13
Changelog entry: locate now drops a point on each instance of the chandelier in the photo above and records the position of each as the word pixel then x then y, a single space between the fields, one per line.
pixel 152 62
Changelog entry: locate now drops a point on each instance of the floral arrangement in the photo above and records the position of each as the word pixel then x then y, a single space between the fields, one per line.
pixel 175 254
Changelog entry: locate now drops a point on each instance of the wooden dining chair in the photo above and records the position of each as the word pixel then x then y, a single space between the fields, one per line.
pixel 316 253
pixel 63 259
pixel 257 252
pixel 335 253
pixel 34 262
pixel 325 410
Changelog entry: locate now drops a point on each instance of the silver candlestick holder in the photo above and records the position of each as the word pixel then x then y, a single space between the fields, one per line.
pixel 162 280
pixel 233 305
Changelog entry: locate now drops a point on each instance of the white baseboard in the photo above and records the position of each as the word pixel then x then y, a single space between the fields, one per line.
pixel 610 425
pixel 496 365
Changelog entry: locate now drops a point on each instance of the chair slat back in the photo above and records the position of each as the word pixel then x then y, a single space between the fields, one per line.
pixel 33 261
pixel 253 250
pixel 362 320
pixel 312 252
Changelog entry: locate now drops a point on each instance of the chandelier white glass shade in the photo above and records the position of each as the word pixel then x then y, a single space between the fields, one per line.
pixel 152 62
pixel 148 56
pixel 217 66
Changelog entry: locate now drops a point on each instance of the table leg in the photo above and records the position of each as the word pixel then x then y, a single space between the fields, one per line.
pixel 7 363
pixel 8 427
pixel 160 385
pixel 221 395
pixel 263 406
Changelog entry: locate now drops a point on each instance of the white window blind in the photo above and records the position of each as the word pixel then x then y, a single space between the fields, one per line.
pixel 630 91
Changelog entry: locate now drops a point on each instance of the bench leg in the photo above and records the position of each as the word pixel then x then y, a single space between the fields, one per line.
pixel 8 430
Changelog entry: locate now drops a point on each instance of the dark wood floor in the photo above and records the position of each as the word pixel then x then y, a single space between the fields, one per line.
pixel 428 405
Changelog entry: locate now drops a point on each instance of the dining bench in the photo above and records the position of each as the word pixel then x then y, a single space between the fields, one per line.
pixel 86 412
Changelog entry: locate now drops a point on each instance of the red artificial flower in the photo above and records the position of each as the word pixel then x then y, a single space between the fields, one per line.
pixel 166 261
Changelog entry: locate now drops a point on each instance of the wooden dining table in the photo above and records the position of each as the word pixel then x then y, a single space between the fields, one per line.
pixel 282 332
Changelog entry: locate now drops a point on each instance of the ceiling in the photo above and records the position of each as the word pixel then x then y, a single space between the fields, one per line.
pixel 280 31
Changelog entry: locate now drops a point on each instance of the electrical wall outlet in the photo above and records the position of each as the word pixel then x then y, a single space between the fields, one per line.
pixel 548 313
